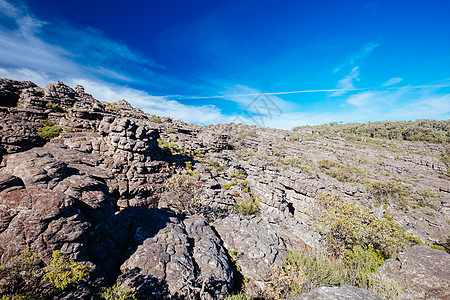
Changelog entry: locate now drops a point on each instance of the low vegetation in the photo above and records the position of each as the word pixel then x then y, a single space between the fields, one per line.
pixel 303 271
pixel 185 190
pixel 403 195
pixel 26 276
pixel 343 173
pixel 49 130
pixel 346 225
pixel 57 108
pixel 116 292
pixel 358 244
pixel 422 130
pixel 247 206
pixel 155 119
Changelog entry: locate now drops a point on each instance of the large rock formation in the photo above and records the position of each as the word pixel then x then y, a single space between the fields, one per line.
pixel 158 205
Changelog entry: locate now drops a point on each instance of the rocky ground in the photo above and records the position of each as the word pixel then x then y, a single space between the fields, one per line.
pixel 176 210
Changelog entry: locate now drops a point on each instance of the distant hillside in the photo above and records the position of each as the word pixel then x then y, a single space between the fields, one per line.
pixel 421 130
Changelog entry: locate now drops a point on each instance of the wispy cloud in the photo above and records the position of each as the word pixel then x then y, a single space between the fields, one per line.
pixel 356 61
pixel 392 81
pixel 347 83
pixel 359 56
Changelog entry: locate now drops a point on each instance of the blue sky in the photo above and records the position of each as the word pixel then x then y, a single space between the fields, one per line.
pixel 209 61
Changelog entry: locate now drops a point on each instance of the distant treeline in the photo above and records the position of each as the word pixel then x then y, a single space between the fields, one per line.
pixel 421 130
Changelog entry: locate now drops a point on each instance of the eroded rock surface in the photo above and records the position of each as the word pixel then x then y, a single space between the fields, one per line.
pixel 422 271
pixel 98 192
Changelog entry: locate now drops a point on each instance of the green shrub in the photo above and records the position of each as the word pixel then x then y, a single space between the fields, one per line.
pixel 346 225
pixel 49 131
pixel 318 270
pixel 21 275
pixel 116 292
pixel 344 173
pixel 26 276
pixel 238 296
pixel 155 119
pixel 55 107
pixel 438 247
pixel 247 206
pixel 185 191
pixel 112 106
pixel 304 271
pixel 61 272
pixel 390 192
pixel 363 262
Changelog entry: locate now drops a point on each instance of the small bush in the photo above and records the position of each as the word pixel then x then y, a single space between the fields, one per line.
pixel 155 119
pixel 343 173
pixel 116 292
pixel 49 131
pixel 438 247
pixel 390 192
pixel 112 106
pixel 346 225
pixel 61 272
pixel 21 275
pixel 304 271
pixel 185 191
pixel 55 107
pixel 25 276
pixel 239 296
pixel 247 206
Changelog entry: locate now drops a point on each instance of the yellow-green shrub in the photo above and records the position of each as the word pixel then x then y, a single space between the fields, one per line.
pixel 116 292
pixel 49 132
pixel 347 225
pixel 61 272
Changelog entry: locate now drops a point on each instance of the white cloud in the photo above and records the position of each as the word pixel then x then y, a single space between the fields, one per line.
pixel 346 84
pixel 361 99
pixel 392 81
pixel 358 57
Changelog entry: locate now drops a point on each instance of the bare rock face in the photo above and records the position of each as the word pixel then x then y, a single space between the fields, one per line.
pixel 18 135
pixel 422 271
pixel 10 91
pixel 185 257
pixel 339 293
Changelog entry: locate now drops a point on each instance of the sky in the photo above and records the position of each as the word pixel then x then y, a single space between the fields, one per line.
pixel 276 64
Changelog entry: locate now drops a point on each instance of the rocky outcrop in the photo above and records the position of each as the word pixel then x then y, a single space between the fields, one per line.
pixel 100 192
pixel 422 271
pixel 186 256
